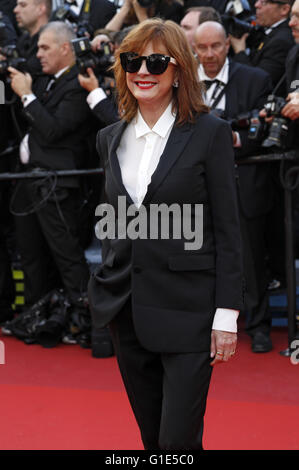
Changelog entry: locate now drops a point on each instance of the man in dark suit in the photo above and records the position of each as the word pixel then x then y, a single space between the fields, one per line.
pixel 95 13
pixel 56 140
pixel 270 53
pixel 242 89
pixel 31 15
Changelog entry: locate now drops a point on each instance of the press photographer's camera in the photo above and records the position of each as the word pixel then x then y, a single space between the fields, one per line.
pixel 80 27
pixel 279 127
pixel 100 62
pixel 12 60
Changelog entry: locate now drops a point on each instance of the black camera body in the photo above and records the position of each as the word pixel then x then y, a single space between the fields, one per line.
pixel 80 27
pixel 100 62
pixel 279 126
pixel 12 60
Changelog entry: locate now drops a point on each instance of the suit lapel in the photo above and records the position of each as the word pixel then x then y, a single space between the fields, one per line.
pixel 176 143
pixel 54 93
pixel 231 94
pixel 113 142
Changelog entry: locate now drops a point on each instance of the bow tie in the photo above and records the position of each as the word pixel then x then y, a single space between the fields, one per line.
pixel 209 83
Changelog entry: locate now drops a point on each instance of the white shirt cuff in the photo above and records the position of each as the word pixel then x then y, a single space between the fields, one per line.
pixel 225 319
pixel 238 140
pixel 27 99
pixel 95 96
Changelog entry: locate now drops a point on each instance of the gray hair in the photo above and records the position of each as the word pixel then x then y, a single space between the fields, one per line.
pixel 62 31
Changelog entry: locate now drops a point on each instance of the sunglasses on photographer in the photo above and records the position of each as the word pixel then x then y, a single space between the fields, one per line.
pixel 156 64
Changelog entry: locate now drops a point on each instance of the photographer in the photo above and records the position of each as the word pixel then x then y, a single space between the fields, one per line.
pixel 269 53
pixel 96 78
pixel 135 11
pixel 47 209
pixel 86 16
pixel 31 15
pixel 193 17
pixel 231 90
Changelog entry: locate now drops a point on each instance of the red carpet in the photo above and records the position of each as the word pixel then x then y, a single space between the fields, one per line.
pixel 64 399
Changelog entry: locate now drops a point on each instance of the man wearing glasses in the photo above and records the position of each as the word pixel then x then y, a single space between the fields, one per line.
pixel 271 52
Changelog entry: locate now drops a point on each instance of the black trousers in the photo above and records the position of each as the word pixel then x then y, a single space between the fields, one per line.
pixel 48 241
pixel 258 314
pixel 167 392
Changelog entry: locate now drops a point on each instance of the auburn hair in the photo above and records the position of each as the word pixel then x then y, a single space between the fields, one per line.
pixel 188 96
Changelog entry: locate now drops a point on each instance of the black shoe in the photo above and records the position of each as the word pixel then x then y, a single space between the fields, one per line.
pixel 261 342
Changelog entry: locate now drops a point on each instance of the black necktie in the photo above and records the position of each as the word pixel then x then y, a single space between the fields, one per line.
pixel 50 85
pixel 209 83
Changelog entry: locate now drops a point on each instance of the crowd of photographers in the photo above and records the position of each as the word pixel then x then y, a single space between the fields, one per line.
pixel 55 61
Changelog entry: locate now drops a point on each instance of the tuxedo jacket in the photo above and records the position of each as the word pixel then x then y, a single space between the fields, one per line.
pixel 101 12
pixel 58 123
pixel 247 90
pixel 270 54
pixel 174 291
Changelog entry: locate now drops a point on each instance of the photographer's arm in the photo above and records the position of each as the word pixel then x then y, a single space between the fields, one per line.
pixel 51 126
pixel 116 23
pixel 238 44
pixel 101 105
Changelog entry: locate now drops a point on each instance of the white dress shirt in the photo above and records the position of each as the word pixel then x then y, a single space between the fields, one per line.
pixel 211 96
pixel 138 154
pixel 222 76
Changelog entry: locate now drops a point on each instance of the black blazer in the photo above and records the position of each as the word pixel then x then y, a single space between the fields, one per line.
pixel 247 90
pixel 59 125
pixel 270 55
pixel 101 12
pixel 175 292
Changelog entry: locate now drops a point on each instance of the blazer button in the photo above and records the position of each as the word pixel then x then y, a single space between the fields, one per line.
pixel 137 269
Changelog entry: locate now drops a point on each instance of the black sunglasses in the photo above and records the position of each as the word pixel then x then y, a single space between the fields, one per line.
pixel 155 63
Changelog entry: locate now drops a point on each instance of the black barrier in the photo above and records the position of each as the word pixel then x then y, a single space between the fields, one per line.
pixel 41 173
pixel 288 177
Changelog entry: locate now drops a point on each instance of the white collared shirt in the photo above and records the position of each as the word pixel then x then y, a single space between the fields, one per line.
pixel 138 154
pixel 222 76
pixel 268 30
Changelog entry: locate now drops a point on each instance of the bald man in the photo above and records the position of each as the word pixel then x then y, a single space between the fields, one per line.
pixel 234 89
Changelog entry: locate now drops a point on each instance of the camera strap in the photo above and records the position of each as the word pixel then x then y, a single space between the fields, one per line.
pixel 224 89
pixel 85 11
pixel 216 98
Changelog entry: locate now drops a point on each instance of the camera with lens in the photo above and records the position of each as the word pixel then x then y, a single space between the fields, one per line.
pixel 279 127
pixel 238 20
pixel 275 133
pixel 237 28
pixel 99 61
pixel 12 59
pixel 10 52
pixel 80 27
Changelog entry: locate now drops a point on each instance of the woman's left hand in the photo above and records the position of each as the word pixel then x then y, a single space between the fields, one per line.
pixel 223 346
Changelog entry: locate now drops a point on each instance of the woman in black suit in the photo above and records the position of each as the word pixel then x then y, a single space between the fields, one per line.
pixel 171 304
